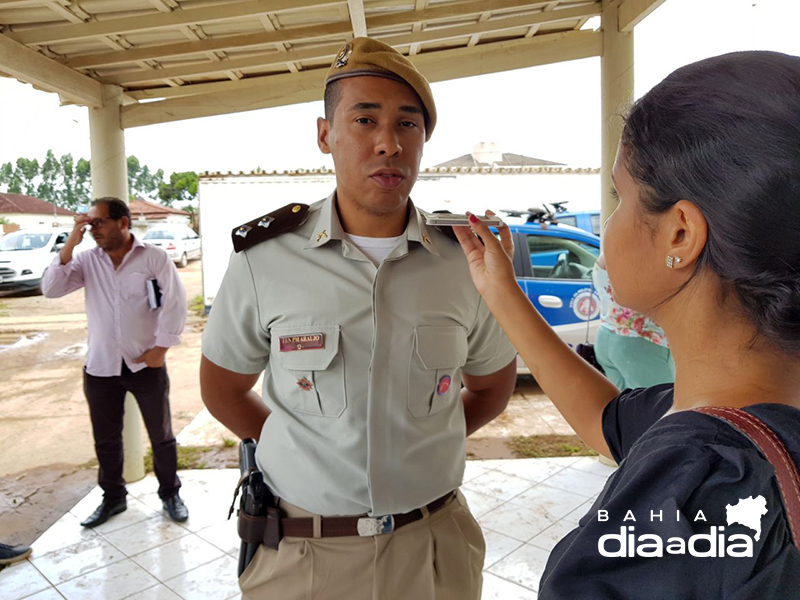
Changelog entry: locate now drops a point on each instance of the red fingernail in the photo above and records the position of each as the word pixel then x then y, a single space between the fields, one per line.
pixel 473 219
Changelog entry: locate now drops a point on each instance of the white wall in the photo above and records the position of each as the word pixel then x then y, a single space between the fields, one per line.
pixel 28 220
pixel 229 201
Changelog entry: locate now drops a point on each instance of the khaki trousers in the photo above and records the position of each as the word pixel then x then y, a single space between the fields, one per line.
pixel 439 557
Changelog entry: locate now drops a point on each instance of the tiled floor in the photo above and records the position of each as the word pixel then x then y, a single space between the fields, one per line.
pixel 524 506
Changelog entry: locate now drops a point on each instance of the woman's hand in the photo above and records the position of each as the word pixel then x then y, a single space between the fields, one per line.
pixel 490 263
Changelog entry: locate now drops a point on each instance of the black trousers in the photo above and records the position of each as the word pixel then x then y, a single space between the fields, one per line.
pixel 106 398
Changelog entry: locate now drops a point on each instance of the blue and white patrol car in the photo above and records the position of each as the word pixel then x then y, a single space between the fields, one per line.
pixel 553 263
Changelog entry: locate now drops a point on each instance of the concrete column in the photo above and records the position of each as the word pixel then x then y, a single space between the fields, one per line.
pixel 616 81
pixel 110 178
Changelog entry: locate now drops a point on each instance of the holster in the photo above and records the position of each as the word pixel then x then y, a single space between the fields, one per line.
pixel 258 517
pixel 261 529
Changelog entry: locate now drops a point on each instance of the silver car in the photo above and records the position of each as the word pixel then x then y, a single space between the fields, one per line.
pixel 181 242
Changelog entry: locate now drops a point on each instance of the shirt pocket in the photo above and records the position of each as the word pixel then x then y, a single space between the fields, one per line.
pixel 434 374
pixel 312 380
pixel 134 287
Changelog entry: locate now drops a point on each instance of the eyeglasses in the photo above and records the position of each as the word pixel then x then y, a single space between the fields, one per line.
pixel 99 222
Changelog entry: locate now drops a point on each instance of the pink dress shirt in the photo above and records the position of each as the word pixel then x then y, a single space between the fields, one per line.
pixel 122 326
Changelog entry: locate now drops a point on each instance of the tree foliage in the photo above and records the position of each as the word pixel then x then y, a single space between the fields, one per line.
pixel 182 187
pixel 67 182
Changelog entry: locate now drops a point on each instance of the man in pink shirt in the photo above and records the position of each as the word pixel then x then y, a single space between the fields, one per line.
pixel 136 310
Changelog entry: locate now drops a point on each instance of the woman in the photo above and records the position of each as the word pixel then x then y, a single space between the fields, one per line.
pixel 631 348
pixel 705 242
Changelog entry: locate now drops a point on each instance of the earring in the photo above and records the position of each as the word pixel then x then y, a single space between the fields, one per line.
pixel 671 260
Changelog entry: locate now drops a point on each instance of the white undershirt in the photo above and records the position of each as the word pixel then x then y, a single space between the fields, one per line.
pixel 375 249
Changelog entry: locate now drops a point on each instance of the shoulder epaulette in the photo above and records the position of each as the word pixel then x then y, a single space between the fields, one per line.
pixel 271 225
pixel 447 231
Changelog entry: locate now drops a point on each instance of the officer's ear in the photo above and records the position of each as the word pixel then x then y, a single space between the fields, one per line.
pixel 323 131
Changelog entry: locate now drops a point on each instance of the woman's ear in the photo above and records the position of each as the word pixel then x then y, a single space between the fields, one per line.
pixel 686 232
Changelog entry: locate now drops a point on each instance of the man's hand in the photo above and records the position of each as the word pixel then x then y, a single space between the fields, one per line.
pixel 75 238
pixel 76 235
pixel 153 357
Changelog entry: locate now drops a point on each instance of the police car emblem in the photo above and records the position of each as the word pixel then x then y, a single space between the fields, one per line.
pixel 265 221
pixel 243 231
pixel 343 56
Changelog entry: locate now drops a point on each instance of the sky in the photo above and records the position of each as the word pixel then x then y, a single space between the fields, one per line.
pixel 550 112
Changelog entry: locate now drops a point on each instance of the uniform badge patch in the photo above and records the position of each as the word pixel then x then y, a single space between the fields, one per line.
pixel 243 230
pixel 343 56
pixel 444 385
pixel 307 341
pixel 305 384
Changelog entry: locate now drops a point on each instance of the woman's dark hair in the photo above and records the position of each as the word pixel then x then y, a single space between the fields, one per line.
pixel 724 133
pixel 116 208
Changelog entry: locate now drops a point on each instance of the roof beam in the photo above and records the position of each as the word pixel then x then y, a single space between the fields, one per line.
pixel 292 88
pixel 357 17
pixel 32 67
pixel 632 12
pixel 162 20
pixel 329 50
pixel 223 65
pixel 296 34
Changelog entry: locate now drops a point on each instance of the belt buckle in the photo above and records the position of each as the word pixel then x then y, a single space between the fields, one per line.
pixel 369 526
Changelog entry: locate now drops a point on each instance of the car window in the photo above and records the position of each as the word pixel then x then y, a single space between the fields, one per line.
pixel 159 234
pixel 561 258
pixel 595 220
pixel 20 240
pixel 62 238
pixel 568 220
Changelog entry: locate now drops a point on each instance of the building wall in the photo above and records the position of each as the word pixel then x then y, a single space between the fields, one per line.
pixel 25 220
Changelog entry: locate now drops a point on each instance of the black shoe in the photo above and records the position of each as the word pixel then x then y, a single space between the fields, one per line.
pixel 106 510
pixel 12 554
pixel 176 508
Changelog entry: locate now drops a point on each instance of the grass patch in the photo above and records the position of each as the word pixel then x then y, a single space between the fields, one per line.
pixel 226 443
pixel 89 464
pixel 189 457
pixel 544 446
pixel 198 306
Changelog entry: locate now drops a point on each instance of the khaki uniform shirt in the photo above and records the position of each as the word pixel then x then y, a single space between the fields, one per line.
pixel 363 363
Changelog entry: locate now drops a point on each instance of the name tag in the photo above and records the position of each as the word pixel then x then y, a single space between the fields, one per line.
pixel 308 341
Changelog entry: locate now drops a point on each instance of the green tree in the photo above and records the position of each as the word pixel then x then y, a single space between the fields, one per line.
pixel 83 181
pixel 6 173
pixel 26 172
pixel 182 187
pixel 141 181
pixel 50 172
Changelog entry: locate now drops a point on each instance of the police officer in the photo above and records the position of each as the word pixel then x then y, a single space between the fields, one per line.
pixel 368 325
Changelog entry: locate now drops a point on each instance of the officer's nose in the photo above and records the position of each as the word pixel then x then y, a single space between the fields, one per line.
pixel 387 143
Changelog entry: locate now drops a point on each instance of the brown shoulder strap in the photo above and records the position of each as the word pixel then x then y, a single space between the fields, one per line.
pixel 774 451
pixel 271 225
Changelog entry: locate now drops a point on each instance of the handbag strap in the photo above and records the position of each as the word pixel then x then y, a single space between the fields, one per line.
pixel 773 449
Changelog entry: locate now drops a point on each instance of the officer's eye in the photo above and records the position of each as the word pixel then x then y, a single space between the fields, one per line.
pixel 364 120
pixel 408 124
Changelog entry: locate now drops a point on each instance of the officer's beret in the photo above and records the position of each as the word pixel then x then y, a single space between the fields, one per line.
pixel 366 56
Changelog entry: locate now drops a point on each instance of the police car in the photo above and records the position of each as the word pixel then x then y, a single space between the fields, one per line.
pixel 553 263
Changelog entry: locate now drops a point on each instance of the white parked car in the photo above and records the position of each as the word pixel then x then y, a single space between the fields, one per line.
pixel 181 242
pixel 26 253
